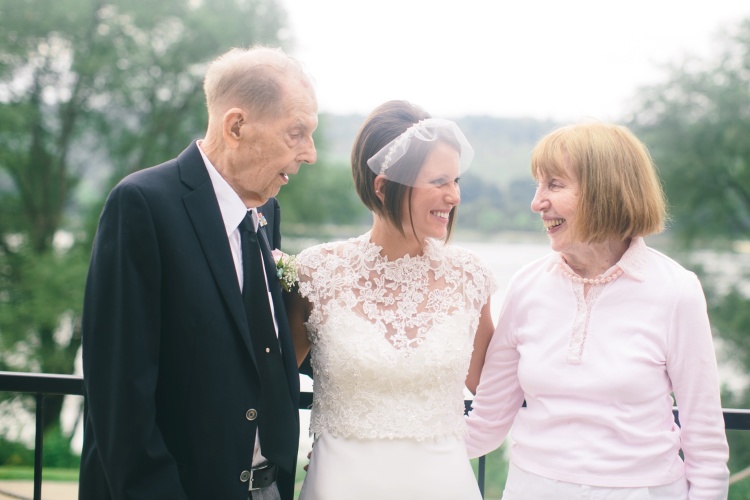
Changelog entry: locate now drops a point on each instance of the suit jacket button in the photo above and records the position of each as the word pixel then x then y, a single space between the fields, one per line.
pixel 245 476
pixel 251 414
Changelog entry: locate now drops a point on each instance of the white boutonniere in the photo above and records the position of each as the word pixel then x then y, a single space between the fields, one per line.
pixel 286 270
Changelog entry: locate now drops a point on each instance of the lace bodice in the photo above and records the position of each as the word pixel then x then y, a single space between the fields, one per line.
pixel 391 340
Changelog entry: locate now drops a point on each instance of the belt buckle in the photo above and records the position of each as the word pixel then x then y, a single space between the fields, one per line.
pixel 262 468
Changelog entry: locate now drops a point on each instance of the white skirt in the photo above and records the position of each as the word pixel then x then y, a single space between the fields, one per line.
pixel 389 469
pixel 522 485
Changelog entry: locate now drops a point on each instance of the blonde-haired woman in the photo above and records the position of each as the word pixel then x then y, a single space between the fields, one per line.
pixel 597 338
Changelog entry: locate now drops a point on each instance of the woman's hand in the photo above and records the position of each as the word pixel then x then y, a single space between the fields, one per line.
pixel 309 456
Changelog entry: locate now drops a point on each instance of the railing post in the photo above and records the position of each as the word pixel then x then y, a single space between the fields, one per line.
pixel 38 446
pixel 480 474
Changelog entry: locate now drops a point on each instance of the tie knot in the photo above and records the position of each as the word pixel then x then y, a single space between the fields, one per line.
pixel 247 223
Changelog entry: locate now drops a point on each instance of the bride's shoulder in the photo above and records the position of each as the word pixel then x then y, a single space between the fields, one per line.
pixel 467 261
pixel 459 255
pixel 317 254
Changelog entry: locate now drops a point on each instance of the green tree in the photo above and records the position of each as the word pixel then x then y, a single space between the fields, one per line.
pixel 322 194
pixel 697 125
pixel 91 90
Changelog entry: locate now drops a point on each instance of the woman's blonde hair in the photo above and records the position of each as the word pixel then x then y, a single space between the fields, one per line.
pixel 620 193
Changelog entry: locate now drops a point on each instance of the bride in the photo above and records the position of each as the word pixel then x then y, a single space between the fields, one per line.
pixel 398 322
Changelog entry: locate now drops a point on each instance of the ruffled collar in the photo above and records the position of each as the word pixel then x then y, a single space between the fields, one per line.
pixel 632 262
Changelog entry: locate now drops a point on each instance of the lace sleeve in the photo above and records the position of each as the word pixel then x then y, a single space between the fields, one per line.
pixel 480 282
pixel 308 262
pixel 488 279
pixel 315 267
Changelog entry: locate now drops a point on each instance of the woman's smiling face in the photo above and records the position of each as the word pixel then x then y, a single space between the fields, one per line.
pixel 556 200
pixel 434 195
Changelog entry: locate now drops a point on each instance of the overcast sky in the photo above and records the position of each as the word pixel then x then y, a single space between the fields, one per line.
pixel 559 59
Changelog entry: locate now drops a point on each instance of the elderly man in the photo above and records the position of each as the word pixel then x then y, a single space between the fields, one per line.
pixel 190 373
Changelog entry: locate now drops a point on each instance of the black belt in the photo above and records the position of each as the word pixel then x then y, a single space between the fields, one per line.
pixel 262 476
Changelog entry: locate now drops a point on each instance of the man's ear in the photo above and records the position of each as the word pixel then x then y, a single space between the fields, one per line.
pixel 232 127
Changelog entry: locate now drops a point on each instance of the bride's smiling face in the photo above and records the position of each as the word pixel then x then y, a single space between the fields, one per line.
pixel 435 194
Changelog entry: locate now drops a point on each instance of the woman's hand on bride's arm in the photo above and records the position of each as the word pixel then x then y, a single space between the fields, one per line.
pixel 481 340
pixel 309 455
pixel 298 311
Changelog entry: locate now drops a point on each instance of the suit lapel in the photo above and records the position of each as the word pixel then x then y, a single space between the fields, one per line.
pixel 268 212
pixel 205 215
pixel 287 347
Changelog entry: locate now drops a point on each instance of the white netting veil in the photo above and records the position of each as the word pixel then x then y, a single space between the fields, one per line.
pixel 400 159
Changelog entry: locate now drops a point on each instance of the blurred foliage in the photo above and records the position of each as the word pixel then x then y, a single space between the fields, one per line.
pixel 697 127
pixel 321 194
pixel 502 147
pixel 56 452
pixel 14 454
pixel 320 202
pixel 91 90
pixel 491 208
pixel 495 473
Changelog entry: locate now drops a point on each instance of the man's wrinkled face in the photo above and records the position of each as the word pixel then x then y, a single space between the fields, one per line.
pixel 274 148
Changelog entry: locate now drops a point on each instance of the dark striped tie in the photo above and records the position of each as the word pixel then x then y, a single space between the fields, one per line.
pixel 276 419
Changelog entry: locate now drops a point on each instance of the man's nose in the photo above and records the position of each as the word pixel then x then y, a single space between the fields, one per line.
pixel 309 154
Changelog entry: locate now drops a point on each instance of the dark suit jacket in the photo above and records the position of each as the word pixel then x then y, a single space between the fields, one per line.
pixel 272 212
pixel 167 356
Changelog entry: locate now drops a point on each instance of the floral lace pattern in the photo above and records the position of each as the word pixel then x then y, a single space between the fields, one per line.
pixel 392 340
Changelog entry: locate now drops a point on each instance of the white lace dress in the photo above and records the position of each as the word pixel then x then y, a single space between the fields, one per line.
pixel 391 345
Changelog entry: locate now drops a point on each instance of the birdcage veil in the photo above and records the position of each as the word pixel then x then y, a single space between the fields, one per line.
pixel 388 161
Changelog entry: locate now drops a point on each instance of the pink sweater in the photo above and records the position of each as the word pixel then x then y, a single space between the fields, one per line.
pixel 597 373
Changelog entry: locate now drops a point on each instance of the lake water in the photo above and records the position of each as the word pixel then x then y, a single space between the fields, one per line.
pixel 503 258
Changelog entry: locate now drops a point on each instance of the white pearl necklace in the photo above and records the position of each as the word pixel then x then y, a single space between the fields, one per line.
pixel 593 281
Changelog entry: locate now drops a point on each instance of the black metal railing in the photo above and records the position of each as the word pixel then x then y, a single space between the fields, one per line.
pixel 43 384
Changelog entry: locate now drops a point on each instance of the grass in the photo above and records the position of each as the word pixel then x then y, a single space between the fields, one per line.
pixel 22 473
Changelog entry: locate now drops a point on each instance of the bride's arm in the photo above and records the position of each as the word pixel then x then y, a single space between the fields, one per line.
pixel 298 311
pixel 481 341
